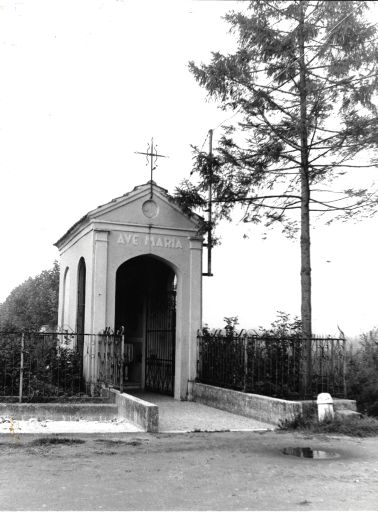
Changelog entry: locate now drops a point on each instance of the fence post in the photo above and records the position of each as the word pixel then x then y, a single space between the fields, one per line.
pixel 332 369
pixel 344 368
pixel 122 359
pixel 198 355
pixel 93 363
pixel 245 343
pixel 21 367
pixel 106 344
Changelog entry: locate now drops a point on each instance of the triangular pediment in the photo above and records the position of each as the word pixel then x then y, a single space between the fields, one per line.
pixel 143 206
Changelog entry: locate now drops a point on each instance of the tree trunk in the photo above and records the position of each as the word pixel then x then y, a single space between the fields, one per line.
pixel 305 220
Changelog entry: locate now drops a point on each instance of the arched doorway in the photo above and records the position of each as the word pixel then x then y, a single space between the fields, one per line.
pixel 146 307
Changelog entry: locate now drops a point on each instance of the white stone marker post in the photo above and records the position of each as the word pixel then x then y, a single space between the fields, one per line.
pixel 325 407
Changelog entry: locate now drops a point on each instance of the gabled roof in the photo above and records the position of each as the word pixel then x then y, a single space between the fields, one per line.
pixel 137 192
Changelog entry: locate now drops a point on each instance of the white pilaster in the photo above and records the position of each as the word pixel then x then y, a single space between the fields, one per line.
pixel 195 304
pixel 100 267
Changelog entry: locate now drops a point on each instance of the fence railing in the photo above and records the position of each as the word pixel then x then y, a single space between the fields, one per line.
pixel 113 358
pixel 270 365
pixel 37 365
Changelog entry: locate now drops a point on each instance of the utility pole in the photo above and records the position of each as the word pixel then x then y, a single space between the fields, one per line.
pixel 209 210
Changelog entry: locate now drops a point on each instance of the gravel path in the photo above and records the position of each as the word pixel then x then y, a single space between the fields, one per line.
pixel 176 416
pixel 197 471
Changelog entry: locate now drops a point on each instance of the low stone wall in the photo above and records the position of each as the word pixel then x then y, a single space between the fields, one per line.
pixel 340 404
pixel 59 412
pixel 259 407
pixel 143 414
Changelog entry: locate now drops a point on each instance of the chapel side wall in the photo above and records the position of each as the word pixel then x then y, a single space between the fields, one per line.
pixel 70 257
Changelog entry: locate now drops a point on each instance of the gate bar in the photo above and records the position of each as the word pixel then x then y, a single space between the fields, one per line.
pixel 122 359
pixel 21 367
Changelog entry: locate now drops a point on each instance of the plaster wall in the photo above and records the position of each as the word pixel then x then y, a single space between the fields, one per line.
pixel 79 247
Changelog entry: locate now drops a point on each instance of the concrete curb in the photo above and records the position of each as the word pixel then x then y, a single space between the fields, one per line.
pixel 59 412
pixel 143 414
pixel 260 407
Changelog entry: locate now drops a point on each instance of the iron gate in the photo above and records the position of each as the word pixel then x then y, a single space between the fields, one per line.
pixel 160 343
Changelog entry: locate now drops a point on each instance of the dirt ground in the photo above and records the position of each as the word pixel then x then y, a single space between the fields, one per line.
pixel 197 471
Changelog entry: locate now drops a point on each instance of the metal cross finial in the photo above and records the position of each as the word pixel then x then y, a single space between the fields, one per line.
pixel 151 156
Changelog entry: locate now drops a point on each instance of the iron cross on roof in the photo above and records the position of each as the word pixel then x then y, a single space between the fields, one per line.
pixel 152 156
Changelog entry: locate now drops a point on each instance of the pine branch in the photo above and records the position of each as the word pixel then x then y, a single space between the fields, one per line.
pixel 279 11
pixel 272 102
pixel 279 135
pixel 257 198
pixel 282 208
pixel 345 83
pixel 344 165
pixel 344 208
pixel 275 89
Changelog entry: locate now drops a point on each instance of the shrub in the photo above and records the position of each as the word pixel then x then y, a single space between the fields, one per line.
pixel 51 366
pixel 362 373
pixel 353 426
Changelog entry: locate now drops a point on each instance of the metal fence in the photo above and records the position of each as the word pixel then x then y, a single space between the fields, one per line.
pixel 270 365
pixel 34 366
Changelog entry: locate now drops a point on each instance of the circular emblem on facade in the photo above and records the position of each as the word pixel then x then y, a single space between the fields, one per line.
pixel 150 209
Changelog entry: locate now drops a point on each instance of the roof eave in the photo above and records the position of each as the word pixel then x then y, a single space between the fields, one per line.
pixel 72 231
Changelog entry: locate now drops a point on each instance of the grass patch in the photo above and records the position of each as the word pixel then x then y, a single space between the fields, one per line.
pixel 12 444
pixel 353 426
pixel 43 441
pixel 40 442
pixel 113 442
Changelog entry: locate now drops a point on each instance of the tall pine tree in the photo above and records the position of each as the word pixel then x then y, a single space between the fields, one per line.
pixel 302 83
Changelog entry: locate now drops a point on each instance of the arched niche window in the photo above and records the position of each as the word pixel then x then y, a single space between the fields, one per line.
pixel 66 298
pixel 80 313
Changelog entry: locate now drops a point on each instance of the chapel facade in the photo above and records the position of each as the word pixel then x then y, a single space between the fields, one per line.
pixel 135 264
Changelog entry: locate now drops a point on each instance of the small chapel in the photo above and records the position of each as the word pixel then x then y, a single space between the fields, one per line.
pixel 135 264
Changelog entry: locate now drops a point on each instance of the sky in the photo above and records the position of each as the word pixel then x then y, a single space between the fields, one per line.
pixel 85 84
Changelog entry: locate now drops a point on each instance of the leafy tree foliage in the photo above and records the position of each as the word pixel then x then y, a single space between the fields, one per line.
pixel 33 303
pixel 302 83
pixel 283 327
pixel 362 373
